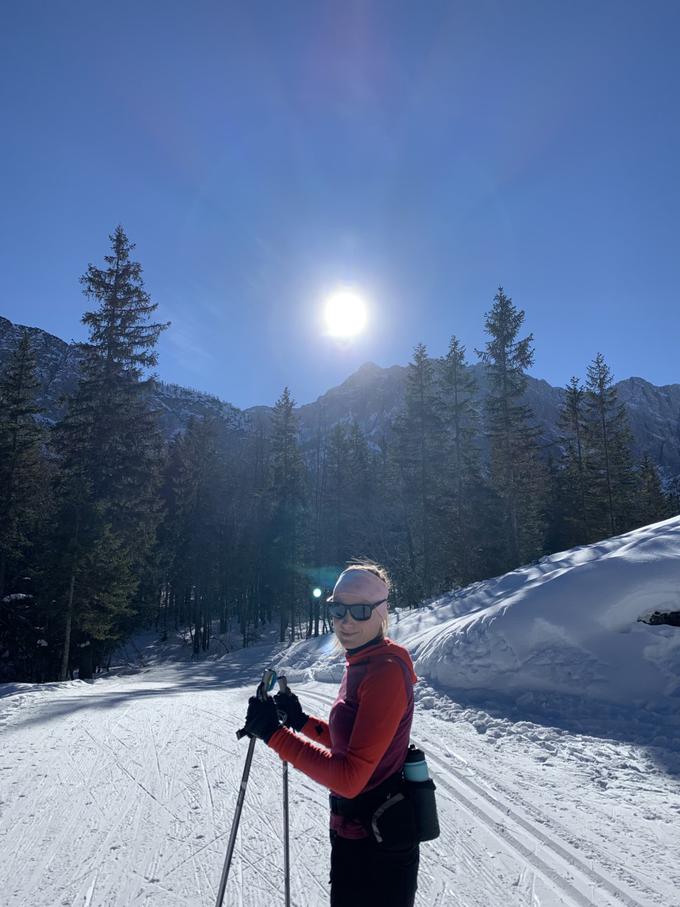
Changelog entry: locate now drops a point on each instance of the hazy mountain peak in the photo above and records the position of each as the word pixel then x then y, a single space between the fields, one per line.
pixel 371 396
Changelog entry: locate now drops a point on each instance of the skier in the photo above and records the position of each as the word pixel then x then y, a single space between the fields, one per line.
pixel 359 753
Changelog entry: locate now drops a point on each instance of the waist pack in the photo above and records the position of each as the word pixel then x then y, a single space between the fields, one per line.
pixel 397 813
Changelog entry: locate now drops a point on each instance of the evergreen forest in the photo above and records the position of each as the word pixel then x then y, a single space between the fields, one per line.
pixel 108 527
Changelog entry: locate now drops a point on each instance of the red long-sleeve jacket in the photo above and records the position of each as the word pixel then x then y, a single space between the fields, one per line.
pixel 366 737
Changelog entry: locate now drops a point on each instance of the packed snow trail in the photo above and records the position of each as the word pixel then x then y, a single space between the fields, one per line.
pixel 533 839
pixel 557 759
pixel 122 792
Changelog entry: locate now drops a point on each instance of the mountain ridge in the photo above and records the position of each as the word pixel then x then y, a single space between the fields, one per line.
pixel 371 395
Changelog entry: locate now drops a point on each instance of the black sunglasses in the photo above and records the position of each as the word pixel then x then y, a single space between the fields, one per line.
pixel 356 612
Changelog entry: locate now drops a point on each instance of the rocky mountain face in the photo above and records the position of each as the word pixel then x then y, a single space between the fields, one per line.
pixel 372 396
pixel 58 365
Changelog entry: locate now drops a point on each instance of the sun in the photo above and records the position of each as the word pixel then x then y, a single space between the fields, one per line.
pixel 345 313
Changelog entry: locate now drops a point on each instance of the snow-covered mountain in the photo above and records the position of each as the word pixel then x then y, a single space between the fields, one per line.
pixel 548 709
pixel 372 396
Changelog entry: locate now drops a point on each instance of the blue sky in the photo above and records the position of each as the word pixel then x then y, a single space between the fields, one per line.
pixel 262 153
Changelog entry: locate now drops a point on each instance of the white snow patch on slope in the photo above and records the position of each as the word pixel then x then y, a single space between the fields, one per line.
pixel 567 625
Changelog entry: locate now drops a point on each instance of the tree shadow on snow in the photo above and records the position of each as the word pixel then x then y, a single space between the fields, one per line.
pixel 183 680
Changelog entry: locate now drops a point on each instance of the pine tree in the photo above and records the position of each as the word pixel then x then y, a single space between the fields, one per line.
pixel 516 475
pixel 286 497
pixel 109 447
pixel 336 500
pixel 257 604
pixel 24 504
pixel 196 535
pixel 21 471
pixel 363 500
pixel 419 451
pixel 651 503
pixel 347 498
pixel 611 474
pixel 672 496
pixel 463 480
pixel 573 476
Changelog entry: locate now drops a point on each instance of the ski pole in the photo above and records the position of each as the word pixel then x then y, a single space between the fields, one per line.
pixel 283 686
pixel 265 685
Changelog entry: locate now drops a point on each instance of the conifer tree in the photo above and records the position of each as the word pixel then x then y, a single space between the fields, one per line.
pixel 672 496
pixel 463 481
pixel 573 476
pixel 109 447
pixel 256 604
pixel 24 504
pixel 337 492
pixel 516 475
pixel 418 448
pixel 22 473
pixel 348 498
pixel 196 532
pixel 651 503
pixel 611 477
pixel 558 530
pixel 384 518
pixel 287 497
pixel 363 503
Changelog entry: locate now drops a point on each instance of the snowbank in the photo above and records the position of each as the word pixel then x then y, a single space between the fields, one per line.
pixel 569 624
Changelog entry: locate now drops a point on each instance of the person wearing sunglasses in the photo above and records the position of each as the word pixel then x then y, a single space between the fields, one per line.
pixel 359 752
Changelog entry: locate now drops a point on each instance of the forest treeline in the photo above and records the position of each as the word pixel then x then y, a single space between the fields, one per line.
pixel 106 526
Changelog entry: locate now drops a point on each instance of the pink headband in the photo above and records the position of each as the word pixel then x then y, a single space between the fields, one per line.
pixel 356 586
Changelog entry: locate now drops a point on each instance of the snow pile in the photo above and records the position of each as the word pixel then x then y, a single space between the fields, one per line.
pixel 569 624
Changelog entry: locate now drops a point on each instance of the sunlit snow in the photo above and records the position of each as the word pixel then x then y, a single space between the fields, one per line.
pixel 550 715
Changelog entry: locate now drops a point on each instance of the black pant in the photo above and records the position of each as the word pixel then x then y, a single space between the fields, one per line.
pixel 364 874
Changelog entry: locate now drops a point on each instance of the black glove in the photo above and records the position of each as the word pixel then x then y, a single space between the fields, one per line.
pixel 261 718
pixel 290 705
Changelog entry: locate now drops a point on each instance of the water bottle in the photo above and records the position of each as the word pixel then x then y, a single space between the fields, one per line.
pixel 421 790
pixel 415 767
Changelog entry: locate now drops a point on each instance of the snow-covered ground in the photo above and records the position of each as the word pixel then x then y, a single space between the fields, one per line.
pixel 549 714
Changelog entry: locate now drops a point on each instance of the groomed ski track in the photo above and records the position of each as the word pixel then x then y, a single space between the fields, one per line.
pixel 122 792
pixel 570 880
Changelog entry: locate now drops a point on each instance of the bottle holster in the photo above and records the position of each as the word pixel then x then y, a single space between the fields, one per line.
pixel 396 813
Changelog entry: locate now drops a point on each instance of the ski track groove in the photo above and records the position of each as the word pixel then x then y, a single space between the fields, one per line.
pixel 571 858
pixel 129 826
pixel 180 898
pixel 152 735
pixel 516 799
pixel 500 831
pixel 551 874
pixel 210 796
pixel 90 890
pixel 85 782
pixel 132 777
pixel 195 853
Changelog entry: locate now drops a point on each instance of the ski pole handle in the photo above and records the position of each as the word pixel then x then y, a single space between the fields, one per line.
pixel 263 688
pixel 283 688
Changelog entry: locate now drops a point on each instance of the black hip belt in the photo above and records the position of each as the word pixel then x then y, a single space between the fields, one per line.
pixel 397 812
pixel 364 804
